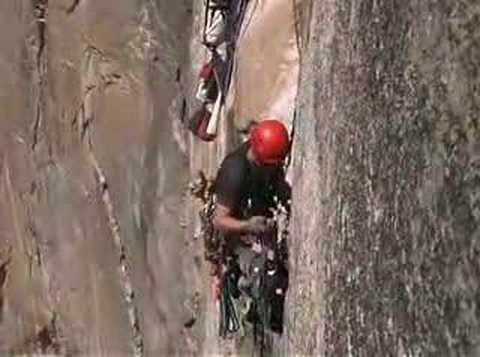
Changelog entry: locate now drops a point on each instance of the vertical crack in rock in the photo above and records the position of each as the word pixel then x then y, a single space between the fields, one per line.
pixel 124 265
pixel 91 87
pixel 73 7
pixel 4 262
pixel 47 338
pixel 44 342
pixel 40 11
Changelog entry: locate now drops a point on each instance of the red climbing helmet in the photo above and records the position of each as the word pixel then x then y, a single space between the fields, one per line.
pixel 269 141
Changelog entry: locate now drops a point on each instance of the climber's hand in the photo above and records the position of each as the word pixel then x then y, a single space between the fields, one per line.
pixel 258 225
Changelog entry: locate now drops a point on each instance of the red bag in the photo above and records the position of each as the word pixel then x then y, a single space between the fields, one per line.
pixel 198 124
pixel 207 71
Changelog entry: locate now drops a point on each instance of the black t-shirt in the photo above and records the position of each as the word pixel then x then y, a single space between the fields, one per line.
pixel 246 188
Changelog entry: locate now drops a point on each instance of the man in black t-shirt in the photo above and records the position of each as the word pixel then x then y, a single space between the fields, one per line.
pixel 248 181
pixel 249 184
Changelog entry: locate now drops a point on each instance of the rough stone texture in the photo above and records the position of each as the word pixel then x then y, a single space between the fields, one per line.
pixel 385 237
pixel 91 178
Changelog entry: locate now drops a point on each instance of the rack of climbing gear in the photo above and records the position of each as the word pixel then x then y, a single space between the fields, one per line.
pixel 226 268
pixel 202 189
pixel 222 22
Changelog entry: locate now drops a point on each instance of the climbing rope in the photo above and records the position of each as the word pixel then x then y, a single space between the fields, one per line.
pixel 229 322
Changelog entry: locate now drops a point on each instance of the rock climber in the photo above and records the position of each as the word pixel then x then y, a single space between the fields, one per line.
pixel 250 182
pixel 249 179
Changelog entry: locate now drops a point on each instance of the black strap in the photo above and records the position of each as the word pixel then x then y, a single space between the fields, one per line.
pixel 259 305
pixel 205 23
pixel 235 26
pixel 260 319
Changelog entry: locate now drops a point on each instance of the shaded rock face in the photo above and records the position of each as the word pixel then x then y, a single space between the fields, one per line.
pixel 385 234
pixel 91 177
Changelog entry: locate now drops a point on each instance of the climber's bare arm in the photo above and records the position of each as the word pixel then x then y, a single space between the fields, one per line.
pixel 225 222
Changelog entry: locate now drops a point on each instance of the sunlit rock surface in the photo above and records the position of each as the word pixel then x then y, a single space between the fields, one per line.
pixel 385 237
